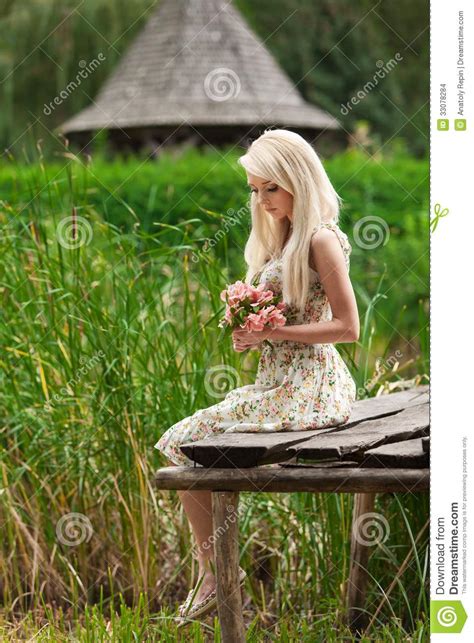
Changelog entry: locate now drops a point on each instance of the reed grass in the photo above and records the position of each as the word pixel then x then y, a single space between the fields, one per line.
pixel 104 346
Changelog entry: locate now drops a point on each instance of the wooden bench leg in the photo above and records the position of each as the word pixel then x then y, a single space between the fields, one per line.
pixel 226 551
pixel 358 575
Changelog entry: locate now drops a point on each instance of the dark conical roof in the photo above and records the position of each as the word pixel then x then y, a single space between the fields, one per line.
pixel 197 62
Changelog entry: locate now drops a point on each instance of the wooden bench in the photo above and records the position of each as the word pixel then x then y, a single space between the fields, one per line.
pixel 383 448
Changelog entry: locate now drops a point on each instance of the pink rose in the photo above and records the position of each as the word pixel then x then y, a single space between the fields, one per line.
pixel 253 322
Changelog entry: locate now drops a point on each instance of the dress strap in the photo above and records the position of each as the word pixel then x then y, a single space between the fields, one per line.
pixel 342 236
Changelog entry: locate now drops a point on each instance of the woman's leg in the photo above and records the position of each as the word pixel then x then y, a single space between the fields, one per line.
pixel 198 508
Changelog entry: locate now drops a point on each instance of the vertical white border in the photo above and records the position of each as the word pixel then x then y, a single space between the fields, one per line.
pixel 452 288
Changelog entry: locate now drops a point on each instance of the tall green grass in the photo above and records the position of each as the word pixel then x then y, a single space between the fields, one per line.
pixel 203 190
pixel 107 343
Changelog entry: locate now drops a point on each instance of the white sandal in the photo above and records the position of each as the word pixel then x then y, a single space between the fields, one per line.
pixel 204 606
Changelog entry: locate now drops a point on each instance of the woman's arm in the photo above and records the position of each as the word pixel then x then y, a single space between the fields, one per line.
pixel 328 258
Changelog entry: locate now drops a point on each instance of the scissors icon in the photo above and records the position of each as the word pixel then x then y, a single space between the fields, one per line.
pixel 439 214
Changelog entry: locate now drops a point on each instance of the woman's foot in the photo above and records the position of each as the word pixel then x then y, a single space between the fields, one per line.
pixel 205 586
pixel 203 598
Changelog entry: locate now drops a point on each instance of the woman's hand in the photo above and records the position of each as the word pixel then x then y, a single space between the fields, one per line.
pixel 243 339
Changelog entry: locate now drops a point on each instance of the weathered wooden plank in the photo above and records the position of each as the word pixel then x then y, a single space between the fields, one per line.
pixel 355 440
pixel 245 449
pixel 406 454
pixel 253 449
pixel 425 443
pixel 374 407
pixel 294 479
pixel 226 550
pixel 321 465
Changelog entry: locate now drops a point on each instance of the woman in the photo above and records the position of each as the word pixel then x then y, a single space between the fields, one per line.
pixel 297 248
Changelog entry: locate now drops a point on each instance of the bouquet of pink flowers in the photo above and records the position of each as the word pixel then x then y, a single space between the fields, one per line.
pixel 252 308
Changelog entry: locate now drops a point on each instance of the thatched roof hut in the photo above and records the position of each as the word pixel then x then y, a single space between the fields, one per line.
pixel 196 72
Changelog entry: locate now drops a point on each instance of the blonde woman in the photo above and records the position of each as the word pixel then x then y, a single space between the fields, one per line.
pixel 297 248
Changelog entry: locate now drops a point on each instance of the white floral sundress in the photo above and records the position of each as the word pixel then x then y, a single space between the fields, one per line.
pixel 298 386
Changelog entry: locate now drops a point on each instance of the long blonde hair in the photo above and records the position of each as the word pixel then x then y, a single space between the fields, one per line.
pixel 285 157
